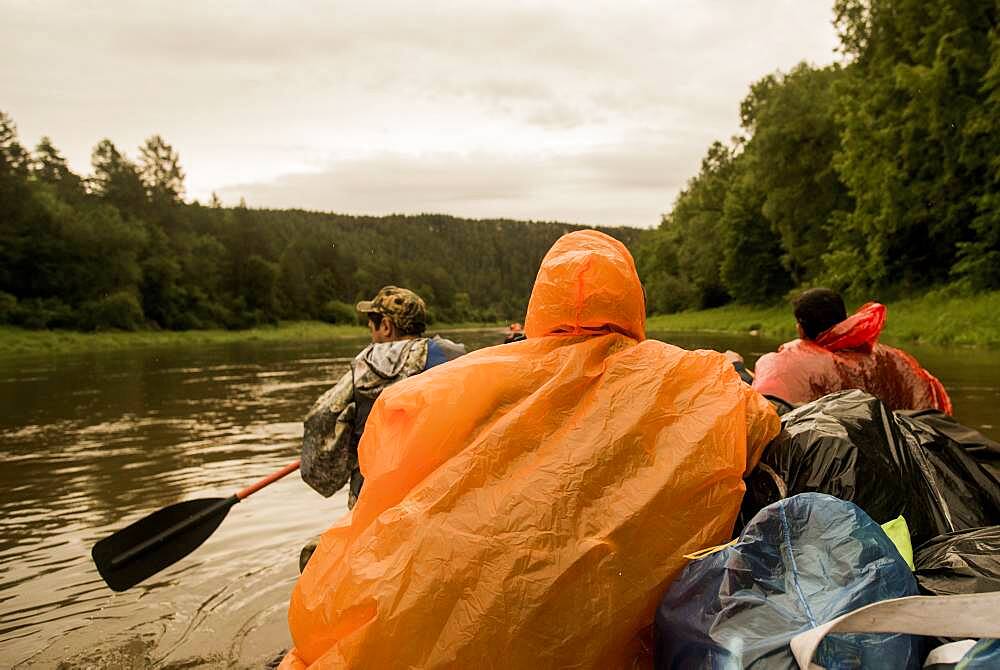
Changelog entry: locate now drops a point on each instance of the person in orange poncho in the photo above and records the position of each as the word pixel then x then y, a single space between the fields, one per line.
pixel 526 505
pixel 835 352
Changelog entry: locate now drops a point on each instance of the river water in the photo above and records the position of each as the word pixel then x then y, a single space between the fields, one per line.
pixel 90 442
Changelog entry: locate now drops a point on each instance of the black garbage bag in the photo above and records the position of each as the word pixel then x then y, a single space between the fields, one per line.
pixel 799 563
pixel 933 424
pixel 962 562
pixel 849 445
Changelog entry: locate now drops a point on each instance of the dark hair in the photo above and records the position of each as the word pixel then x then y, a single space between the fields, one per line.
pixel 414 328
pixel 818 309
pixel 375 318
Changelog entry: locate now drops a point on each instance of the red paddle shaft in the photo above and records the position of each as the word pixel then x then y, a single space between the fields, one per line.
pixel 270 479
pixel 116 561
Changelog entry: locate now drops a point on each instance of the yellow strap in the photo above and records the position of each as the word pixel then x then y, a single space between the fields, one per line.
pixel 702 553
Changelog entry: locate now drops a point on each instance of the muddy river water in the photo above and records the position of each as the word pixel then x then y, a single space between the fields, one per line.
pixel 89 442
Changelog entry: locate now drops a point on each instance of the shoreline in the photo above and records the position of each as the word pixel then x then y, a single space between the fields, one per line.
pixel 19 341
pixel 939 318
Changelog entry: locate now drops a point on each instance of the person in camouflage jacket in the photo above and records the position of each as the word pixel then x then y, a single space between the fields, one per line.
pixel 397 319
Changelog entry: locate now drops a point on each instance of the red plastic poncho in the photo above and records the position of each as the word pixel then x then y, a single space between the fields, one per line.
pixel 848 356
pixel 526 505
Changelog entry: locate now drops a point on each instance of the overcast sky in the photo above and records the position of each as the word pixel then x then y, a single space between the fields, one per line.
pixel 587 112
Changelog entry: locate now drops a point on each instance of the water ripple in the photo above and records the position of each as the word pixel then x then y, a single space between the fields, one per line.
pixel 93 442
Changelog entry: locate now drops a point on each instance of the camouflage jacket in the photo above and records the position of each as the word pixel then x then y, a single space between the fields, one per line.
pixel 336 421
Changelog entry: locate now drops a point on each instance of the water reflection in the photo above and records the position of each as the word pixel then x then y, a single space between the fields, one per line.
pixel 91 442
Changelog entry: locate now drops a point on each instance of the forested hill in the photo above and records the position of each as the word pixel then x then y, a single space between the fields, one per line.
pixel 878 175
pixel 120 249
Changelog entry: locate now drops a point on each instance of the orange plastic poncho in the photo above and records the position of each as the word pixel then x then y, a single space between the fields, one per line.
pixel 526 505
pixel 848 356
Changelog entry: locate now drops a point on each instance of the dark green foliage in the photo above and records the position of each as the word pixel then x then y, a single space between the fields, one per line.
pixel 49 166
pixel 259 285
pixel 120 311
pixel 160 171
pixel 8 308
pixel 752 270
pixel 13 158
pixel 116 180
pixel 39 313
pixel 788 162
pixel 336 311
pixel 878 175
pixel 979 259
pixel 127 253
pixel 919 141
pixel 682 260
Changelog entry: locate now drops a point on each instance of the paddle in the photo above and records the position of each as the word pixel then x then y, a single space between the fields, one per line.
pixel 159 540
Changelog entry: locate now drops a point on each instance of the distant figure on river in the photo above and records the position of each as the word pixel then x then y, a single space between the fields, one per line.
pixel 526 505
pixel 515 333
pixel 397 318
pixel 835 352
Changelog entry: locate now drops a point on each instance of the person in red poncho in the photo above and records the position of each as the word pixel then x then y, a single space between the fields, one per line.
pixel 835 352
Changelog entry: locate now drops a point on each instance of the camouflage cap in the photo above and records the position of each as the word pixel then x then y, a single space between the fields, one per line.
pixel 406 309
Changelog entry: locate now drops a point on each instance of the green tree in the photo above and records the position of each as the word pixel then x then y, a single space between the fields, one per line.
pixel 129 253
pixel 294 270
pixel 751 269
pixel 15 206
pixel 160 170
pixel 14 159
pixel 695 225
pixel 202 260
pixel 792 137
pixel 911 152
pixel 164 297
pixel 49 165
pixel 116 179
pixel 260 284
pixel 979 259
pixel 656 260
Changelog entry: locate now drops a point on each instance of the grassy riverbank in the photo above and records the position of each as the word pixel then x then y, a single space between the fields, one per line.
pixel 940 318
pixel 15 341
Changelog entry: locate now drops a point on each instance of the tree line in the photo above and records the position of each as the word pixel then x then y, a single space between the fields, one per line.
pixel 877 176
pixel 121 249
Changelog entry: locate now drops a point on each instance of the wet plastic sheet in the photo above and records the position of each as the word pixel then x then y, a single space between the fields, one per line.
pixel 849 445
pixel 961 562
pixel 859 332
pixel 984 656
pixel 526 505
pixel 936 425
pixel 800 562
pixel 848 356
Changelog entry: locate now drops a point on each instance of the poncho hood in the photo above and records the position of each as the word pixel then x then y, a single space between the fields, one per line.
pixel 859 331
pixel 587 283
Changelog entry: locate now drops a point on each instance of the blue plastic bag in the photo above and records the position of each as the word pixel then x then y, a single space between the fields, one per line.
pixel 984 656
pixel 800 562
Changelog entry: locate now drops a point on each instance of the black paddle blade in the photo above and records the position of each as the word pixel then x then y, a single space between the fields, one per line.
pixel 157 541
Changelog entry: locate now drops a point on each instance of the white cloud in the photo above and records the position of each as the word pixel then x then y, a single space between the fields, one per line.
pixel 268 97
pixel 612 185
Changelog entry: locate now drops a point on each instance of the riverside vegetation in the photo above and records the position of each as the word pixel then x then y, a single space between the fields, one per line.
pixel 120 249
pixel 878 176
